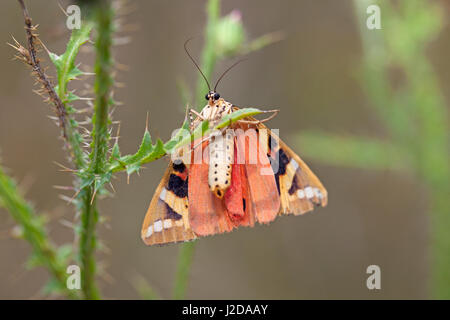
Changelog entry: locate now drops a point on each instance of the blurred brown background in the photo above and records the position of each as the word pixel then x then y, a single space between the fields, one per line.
pixel 372 217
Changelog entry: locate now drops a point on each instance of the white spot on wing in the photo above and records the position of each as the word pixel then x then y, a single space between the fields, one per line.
pixel 158 226
pixel 317 193
pixel 309 192
pixel 294 164
pixel 149 231
pixel 300 194
pixel 162 195
pixel 167 224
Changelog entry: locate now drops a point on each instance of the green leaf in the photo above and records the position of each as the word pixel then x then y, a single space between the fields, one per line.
pixel 65 63
pixel 144 149
pixel 157 152
pixel 115 153
pixel 56 60
pixel 87 181
pixel 71 97
pixel 101 180
pixel 132 168
pixel 169 146
pixel 146 153
pixel 237 115
pixel 198 132
pixel 74 73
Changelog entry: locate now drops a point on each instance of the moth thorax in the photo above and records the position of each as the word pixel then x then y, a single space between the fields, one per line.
pixel 221 156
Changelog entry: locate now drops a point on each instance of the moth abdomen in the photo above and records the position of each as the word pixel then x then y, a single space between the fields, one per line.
pixel 221 155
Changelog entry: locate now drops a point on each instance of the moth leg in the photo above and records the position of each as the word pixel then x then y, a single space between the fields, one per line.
pixel 195 120
pixel 199 144
pixel 274 113
pixel 192 111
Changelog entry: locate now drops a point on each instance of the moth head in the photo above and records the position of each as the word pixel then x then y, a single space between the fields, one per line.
pixel 212 97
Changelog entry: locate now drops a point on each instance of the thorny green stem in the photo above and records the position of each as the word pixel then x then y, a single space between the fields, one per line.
pixel 103 15
pixel 103 84
pixel 33 231
pixel 32 225
pixel 87 246
pixel 73 136
pixel 69 133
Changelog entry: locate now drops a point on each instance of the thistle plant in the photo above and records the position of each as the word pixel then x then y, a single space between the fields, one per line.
pixel 94 155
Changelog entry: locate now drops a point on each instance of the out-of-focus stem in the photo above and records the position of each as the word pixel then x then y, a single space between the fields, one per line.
pixel 33 231
pixel 209 56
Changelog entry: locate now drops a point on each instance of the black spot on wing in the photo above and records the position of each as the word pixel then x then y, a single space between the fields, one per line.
pixel 178 166
pixel 294 187
pixel 283 160
pixel 243 204
pixel 277 181
pixel 170 214
pixel 279 165
pixel 178 186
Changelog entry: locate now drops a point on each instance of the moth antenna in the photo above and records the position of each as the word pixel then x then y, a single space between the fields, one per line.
pixel 195 63
pixel 226 71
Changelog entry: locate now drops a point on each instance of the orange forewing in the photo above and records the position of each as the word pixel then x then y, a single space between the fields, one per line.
pixel 262 187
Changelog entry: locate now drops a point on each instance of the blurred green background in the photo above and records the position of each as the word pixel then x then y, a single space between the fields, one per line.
pixel 325 77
